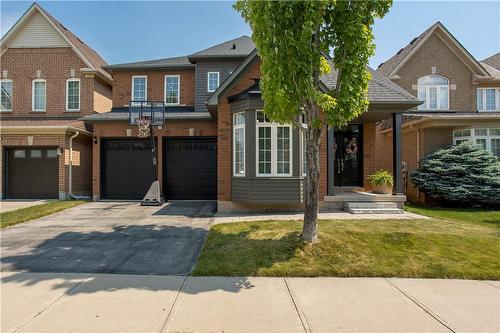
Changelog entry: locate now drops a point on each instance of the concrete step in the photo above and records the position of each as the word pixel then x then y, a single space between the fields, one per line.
pixel 370 205
pixel 374 210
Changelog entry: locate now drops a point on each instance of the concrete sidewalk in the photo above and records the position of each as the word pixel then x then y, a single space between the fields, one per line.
pixel 56 302
pixel 13 204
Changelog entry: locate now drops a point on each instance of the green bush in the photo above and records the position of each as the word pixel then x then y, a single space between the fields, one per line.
pixel 381 177
pixel 464 173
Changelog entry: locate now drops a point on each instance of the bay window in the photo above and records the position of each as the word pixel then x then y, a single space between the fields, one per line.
pixel 239 144
pixel 39 89
pixel 434 91
pixel 487 138
pixel 488 99
pixel 274 147
pixel 6 95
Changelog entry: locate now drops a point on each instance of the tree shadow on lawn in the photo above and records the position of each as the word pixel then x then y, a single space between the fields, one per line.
pixel 69 257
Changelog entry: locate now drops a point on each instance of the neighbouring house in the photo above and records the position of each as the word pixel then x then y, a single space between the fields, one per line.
pixel 49 79
pixel 461 100
pixel 216 144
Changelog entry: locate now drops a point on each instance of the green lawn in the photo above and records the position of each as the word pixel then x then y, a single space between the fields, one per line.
pixel 430 248
pixel 29 213
pixel 481 216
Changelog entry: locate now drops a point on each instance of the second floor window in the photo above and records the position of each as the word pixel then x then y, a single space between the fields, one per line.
pixel 213 81
pixel 39 90
pixel 172 89
pixel 488 99
pixel 6 95
pixel 139 88
pixel 73 95
pixel 434 91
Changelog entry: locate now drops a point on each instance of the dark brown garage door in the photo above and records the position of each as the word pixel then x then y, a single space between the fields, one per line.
pixel 190 169
pixel 126 170
pixel 32 173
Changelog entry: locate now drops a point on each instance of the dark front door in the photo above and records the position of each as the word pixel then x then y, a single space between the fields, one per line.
pixel 32 173
pixel 127 168
pixel 348 161
pixel 190 171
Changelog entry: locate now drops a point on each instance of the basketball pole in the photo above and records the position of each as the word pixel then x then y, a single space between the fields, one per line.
pixel 153 151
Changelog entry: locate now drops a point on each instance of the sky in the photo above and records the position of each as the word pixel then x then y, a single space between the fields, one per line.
pixel 133 31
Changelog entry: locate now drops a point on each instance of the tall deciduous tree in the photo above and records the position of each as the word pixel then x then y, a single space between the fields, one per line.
pixel 293 39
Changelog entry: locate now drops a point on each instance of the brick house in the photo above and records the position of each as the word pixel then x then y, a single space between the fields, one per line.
pixel 49 79
pixel 461 100
pixel 216 144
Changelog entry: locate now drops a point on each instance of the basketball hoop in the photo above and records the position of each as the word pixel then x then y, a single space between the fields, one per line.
pixel 143 125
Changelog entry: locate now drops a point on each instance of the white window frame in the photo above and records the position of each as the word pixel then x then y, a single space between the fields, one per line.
pixel 67 94
pixel 208 81
pixel 274 148
pixel 33 95
pixel 473 136
pixel 11 97
pixel 482 91
pixel 237 127
pixel 427 102
pixel 178 89
pixel 132 92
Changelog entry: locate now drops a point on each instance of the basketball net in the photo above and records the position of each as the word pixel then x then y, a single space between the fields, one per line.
pixel 144 127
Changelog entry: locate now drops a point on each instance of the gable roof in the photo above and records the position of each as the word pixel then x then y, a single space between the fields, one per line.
pixel 391 66
pixel 174 62
pixel 89 56
pixel 493 61
pixel 381 90
pixel 235 48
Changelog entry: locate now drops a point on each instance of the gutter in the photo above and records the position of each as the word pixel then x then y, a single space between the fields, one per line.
pixel 76 197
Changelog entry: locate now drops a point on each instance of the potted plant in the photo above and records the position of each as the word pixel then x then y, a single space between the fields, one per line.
pixel 382 182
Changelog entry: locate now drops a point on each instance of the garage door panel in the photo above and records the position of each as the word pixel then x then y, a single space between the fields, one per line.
pixel 32 173
pixel 190 169
pixel 127 169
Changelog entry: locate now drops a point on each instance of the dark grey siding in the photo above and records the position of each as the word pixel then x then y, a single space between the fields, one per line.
pixel 202 68
pixel 267 190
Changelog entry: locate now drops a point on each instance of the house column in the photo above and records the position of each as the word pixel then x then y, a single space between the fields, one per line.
pixel 331 160
pixel 396 153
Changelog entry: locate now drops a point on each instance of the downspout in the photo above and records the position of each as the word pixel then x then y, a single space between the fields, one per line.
pixel 76 197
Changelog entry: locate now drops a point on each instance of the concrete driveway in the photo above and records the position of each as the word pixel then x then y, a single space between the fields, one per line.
pixel 110 237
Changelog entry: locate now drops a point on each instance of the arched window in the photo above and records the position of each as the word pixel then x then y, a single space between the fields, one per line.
pixel 434 90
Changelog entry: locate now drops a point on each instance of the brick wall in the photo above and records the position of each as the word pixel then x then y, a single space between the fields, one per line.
pixel 102 96
pixel 55 65
pixel 81 166
pixel 435 53
pixel 224 132
pixel 119 130
pixel 122 85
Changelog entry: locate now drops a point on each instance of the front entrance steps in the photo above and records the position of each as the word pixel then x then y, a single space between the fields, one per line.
pixel 357 201
pixel 372 208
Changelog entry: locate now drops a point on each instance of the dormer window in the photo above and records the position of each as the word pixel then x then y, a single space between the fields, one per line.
pixel 6 95
pixel 213 81
pixel 434 91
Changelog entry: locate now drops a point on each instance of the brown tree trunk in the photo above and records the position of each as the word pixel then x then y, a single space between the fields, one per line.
pixel 311 202
pixel 313 137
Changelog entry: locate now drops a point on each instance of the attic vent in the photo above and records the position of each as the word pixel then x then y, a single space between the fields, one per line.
pixel 413 40
pixel 234 46
pixel 380 65
pixel 400 51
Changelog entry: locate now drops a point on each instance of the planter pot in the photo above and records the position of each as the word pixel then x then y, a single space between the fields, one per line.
pixel 382 189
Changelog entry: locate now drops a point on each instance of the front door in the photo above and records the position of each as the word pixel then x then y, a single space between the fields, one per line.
pixel 348 163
